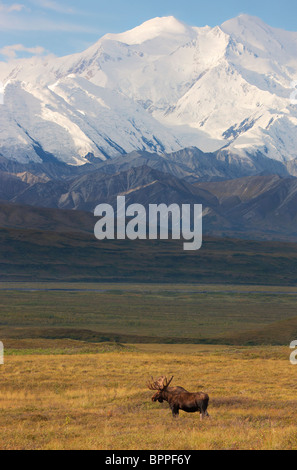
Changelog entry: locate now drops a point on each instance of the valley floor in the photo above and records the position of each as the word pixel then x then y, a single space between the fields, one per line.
pixel 62 394
pixel 150 313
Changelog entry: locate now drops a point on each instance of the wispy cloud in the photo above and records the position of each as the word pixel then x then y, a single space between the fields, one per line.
pixel 19 17
pixel 35 23
pixel 4 8
pixel 54 6
pixel 12 18
pixel 36 16
pixel 12 51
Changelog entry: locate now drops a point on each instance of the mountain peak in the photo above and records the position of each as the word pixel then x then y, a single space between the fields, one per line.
pixel 158 87
pixel 249 18
pixel 243 22
pixel 251 31
pixel 151 29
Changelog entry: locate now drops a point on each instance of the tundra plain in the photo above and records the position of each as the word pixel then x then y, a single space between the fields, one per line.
pixel 78 358
pixel 61 394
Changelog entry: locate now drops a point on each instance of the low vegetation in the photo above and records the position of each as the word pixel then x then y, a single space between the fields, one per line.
pixel 70 395
pixel 78 359
pixel 209 314
pixel 35 255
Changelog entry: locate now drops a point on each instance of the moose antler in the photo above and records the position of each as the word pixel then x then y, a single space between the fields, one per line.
pixel 153 385
pixel 159 384
pixel 167 383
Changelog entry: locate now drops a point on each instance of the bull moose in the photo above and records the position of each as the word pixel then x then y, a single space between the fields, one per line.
pixel 179 398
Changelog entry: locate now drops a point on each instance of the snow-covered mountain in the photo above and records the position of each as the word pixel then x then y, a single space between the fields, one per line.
pixel 160 87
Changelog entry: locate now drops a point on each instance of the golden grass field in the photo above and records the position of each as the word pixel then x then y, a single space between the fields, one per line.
pixel 62 394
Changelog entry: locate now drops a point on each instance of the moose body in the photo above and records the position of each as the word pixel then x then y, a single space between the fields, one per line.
pixel 180 399
pixel 188 402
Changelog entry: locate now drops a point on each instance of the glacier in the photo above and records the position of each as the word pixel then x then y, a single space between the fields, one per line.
pixel 160 87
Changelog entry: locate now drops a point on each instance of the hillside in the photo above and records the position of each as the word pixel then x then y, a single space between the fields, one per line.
pixel 34 255
pixel 259 207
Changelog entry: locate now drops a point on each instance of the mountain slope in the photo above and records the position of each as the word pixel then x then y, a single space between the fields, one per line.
pixel 15 216
pixel 160 87
pixel 254 207
pixel 258 206
pixel 143 185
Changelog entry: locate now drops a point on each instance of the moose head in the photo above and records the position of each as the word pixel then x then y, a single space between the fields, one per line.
pixel 160 386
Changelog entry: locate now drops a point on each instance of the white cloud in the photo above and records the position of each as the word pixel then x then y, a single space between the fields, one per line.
pixel 11 8
pixel 35 23
pixel 55 6
pixel 12 51
pixel 18 17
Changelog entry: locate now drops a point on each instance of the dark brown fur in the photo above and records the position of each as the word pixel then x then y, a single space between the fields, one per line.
pixel 158 398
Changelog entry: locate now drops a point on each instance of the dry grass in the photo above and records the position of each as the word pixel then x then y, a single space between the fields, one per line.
pixel 100 401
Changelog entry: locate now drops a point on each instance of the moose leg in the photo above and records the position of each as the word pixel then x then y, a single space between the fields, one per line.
pixel 203 410
pixel 203 414
pixel 175 412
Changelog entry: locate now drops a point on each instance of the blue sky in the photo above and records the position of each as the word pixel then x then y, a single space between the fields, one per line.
pixel 63 27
